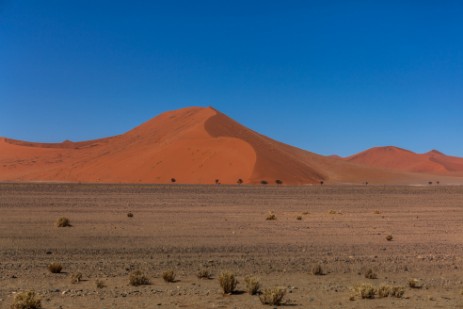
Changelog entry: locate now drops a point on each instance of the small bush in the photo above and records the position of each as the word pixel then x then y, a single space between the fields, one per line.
pixel 76 278
pixel 389 238
pixel 370 274
pixel 63 222
pixel 332 212
pixel 99 284
pixel 272 297
pixel 415 283
pixel 130 215
pixel 317 270
pixel 55 268
pixel 239 181
pixel 377 212
pixel 228 282
pixel 168 276
pixel 271 216
pixel 299 218
pixel 264 182
pixel 27 300
pixel 252 285
pixel 384 291
pixel 172 180
pixel 204 274
pixel 279 182
pixel 397 291
pixel 138 278
pixel 365 290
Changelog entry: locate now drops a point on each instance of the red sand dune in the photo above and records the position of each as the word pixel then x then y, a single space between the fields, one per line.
pixel 193 145
pixel 433 162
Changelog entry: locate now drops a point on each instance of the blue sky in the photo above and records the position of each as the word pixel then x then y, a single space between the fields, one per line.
pixel 325 76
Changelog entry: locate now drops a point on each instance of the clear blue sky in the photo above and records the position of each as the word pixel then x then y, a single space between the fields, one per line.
pixel 325 76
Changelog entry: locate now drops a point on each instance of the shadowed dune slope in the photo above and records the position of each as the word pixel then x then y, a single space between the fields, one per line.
pixel 433 162
pixel 199 146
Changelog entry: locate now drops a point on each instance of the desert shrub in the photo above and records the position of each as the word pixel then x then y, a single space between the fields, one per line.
pixel 389 238
pixel 55 267
pixel 299 217
pixel 279 182
pixel 397 291
pixel 99 284
pixel 168 276
pixel 384 291
pixel 76 277
pixel 26 300
pixel 272 297
pixel 321 182
pixel 217 181
pixel 377 212
pixel 370 274
pixel 365 290
pixel 252 285
pixel 138 278
pixel 130 215
pixel 172 180
pixel 263 182
pixel 239 181
pixel 204 274
pixel 332 212
pixel 63 222
pixel 317 270
pixel 271 216
pixel 228 282
pixel 415 283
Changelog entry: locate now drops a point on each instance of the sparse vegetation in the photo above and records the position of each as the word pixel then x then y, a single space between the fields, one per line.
pixel 377 212
pixel 138 278
pixel 321 182
pixel 272 297
pixel 263 182
pixel 365 290
pixel 217 181
pixel 299 218
pixel 204 274
pixel 228 282
pixel 173 180
pixel 27 300
pixel 397 291
pixel 239 181
pixel 63 222
pixel 55 268
pixel 332 212
pixel 169 276
pixel 415 283
pixel 271 216
pixel 252 285
pixel 317 270
pixel 99 284
pixel 130 215
pixel 389 238
pixel 76 277
pixel 279 182
pixel 370 274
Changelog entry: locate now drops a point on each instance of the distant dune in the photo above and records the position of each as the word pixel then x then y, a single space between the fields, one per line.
pixel 201 146
pixel 433 162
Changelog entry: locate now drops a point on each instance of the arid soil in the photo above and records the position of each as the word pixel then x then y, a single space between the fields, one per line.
pixel 192 227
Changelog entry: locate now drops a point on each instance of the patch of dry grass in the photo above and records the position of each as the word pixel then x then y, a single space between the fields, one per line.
pixel 27 300
pixel 169 275
pixel 138 278
pixel 271 216
pixel 55 267
pixel 63 222
pixel 252 285
pixel 76 278
pixel 273 296
pixel 204 274
pixel 228 282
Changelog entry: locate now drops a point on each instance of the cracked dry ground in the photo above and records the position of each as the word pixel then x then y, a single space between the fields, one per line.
pixel 189 228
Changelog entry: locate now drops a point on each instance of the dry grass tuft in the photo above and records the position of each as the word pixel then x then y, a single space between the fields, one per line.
pixel 76 278
pixel 204 274
pixel 389 238
pixel 271 216
pixel 27 300
pixel 377 212
pixel 384 291
pixel 365 291
pixel 272 297
pixel 397 291
pixel 317 270
pixel 370 274
pixel 252 285
pixel 332 212
pixel 55 268
pixel 63 222
pixel 168 276
pixel 130 215
pixel 415 283
pixel 299 218
pixel 100 284
pixel 228 282
pixel 138 278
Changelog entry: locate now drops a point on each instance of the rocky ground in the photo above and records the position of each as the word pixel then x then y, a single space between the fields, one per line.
pixel 224 228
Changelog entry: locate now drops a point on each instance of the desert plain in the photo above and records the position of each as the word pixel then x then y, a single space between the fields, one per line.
pixel 188 228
